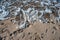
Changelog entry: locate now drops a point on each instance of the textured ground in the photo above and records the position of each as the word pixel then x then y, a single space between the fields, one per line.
pixel 37 31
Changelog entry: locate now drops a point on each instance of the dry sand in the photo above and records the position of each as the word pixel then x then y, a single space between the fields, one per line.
pixel 36 31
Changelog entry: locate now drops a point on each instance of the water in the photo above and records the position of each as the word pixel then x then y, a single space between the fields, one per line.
pixel 58 1
pixel 3 13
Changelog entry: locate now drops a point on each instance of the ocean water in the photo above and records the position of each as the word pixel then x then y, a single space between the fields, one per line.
pixel 58 1
pixel 0 0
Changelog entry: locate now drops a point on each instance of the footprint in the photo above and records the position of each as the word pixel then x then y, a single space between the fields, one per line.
pixel 54 28
pixel 46 30
pixel 52 22
pixel 42 35
pixel 11 34
pixel 29 33
pixel 20 30
pixel 36 37
pixel 15 33
pixel 23 35
pixel 2 23
pixel 53 32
